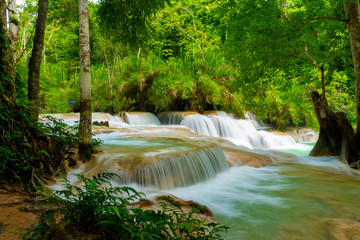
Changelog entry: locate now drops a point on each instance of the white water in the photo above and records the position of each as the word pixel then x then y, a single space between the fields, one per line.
pixel 238 131
pixel 287 200
pixel 292 198
pixel 142 118
pixel 74 118
pixel 253 118
pixel 179 170
pixel 171 118
pixel 220 124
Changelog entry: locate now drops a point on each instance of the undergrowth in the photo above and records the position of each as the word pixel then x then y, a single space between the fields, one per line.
pixel 33 152
pixel 98 208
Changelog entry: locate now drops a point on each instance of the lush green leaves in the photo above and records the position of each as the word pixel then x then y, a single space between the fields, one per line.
pixel 233 55
pixel 99 208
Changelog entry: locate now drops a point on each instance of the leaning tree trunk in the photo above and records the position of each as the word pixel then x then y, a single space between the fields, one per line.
pixel 85 141
pixel 337 137
pixel 35 60
pixel 352 12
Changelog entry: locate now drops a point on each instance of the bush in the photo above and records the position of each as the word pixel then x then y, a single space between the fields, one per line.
pixel 99 208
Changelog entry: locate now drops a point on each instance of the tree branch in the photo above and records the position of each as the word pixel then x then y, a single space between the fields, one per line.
pixel 319 18
pixel 187 34
pixel 313 61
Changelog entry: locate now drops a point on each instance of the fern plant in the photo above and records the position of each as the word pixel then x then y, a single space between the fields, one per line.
pixel 99 208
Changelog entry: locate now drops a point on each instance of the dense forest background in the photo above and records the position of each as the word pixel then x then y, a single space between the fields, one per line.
pixel 237 56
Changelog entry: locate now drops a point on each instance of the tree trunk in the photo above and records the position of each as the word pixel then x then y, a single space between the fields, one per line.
pixel 85 141
pixel 7 79
pixel 352 12
pixel 13 27
pixel 337 137
pixel 13 35
pixel 35 60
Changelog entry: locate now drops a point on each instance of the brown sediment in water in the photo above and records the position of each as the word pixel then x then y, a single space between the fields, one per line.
pixel 101 129
pixel 245 158
pixel 343 228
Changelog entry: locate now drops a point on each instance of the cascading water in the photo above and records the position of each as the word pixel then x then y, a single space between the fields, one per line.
pixel 171 118
pixel 180 170
pixel 200 124
pixel 151 159
pixel 299 198
pixel 292 198
pixel 253 118
pixel 73 118
pixel 141 118
pixel 238 131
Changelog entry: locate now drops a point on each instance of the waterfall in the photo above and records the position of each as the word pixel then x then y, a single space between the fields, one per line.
pixel 201 125
pixel 303 135
pixel 73 118
pixel 171 118
pixel 239 131
pixel 259 124
pixel 141 118
pixel 171 170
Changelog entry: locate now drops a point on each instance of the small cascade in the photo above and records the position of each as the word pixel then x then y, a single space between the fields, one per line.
pixel 239 131
pixel 272 140
pixel 73 118
pixel 171 118
pixel 140 118
pixel 170 170
pixel 259 124
pixel 303 135
pixel 201 125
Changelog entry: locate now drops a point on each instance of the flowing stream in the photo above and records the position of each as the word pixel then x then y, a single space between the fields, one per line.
pixel 293 197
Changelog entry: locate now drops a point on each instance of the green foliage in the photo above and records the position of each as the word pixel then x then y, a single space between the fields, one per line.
pixel 99 208
pixel 198 55
pixel 85 206
pixel 339 98
pixel 30 151
pixel 268 37
pixel 128 19
pixel 186 226
pixel 35 232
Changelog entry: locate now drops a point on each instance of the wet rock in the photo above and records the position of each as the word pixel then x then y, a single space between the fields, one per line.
pixel 204 213
pixel 101 123
pixel 302 134
pixel 240 157
pixel 343 229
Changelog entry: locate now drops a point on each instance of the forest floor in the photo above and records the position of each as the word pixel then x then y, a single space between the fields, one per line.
pixel 18 212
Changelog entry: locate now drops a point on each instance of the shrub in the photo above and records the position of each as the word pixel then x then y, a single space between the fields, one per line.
pixel 99 208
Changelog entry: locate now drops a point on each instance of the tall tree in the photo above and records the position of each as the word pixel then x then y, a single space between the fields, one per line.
pixel 85 141
pixel 35 60
pixel 7 85
pixel 129 20
pixel 13 25
pixel 352 12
